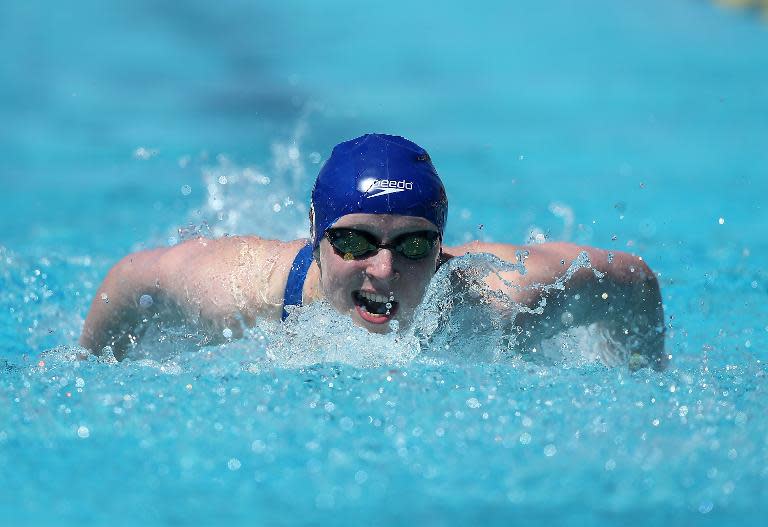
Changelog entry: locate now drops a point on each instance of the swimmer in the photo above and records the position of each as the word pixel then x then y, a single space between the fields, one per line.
pixel 378 212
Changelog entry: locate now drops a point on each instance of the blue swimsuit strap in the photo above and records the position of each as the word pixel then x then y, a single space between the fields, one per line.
pixel 295 284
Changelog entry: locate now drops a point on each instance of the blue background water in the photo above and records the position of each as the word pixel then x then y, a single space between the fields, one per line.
pixel 634 127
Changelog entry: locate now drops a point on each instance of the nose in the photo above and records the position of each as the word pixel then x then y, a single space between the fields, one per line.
pixel 381 266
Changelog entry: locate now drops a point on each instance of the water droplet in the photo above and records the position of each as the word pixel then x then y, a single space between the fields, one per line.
pixel 145 301
pixel 144 153
pixel 346 424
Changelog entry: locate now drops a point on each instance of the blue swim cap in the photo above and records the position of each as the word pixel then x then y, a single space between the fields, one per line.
pixel 377 174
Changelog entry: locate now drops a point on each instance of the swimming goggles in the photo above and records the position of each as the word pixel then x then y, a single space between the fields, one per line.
pixel 353 244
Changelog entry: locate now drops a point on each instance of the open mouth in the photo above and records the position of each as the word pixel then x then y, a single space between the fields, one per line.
pixel 373 307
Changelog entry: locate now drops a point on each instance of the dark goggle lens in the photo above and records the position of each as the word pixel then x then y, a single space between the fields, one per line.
pixel 415 246
pixel 355 244
pixel 350 242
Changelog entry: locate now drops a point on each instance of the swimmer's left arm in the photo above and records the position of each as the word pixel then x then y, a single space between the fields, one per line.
pixel 618 291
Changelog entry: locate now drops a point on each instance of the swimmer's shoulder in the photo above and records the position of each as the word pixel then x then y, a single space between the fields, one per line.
pixel 541 253
pixel 247 272
pixel 544 262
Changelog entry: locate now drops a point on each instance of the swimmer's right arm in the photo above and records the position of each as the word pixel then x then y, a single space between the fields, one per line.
pixel 204 285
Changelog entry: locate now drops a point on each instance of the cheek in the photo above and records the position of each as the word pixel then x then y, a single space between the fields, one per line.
pixel 420 276
pixel 337 280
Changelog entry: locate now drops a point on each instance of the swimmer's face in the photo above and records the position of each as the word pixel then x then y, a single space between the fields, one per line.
pixel 362 287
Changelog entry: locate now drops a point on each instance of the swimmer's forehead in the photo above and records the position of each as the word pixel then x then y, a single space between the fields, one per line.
pixel 385 224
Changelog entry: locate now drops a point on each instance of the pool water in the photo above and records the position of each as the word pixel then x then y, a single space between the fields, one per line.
pixel 631 127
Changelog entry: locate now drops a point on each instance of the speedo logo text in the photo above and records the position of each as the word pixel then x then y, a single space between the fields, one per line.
pixel 381 187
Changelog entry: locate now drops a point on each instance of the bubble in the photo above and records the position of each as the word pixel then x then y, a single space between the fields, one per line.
pixel 145 301
pixel 566 318
pixel 315 158
pixel 222 180
pixel 346 424
pixel 186 190
pixel 105 298
pixel 604 296
pixel 361 476
pixel 233 464
pixel 550 450
pixel 472 402
pixel 610 257
pixel 610 465
pixel 721 221
pixel 525 438
pixel 227 333
pixel 706 507
pixel 144 153
pixel 83 432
